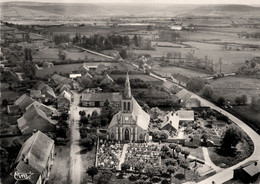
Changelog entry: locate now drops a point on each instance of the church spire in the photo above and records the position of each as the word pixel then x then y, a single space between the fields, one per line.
pixel 127 90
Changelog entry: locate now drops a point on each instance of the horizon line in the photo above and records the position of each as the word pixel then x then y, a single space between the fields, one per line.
pixel 122 2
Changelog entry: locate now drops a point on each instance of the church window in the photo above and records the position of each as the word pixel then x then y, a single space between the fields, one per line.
pixel 112 136
pixel 128 106
pixel 124 106
pixel 140 136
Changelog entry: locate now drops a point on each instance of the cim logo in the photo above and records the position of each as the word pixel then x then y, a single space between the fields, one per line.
pixel 22 176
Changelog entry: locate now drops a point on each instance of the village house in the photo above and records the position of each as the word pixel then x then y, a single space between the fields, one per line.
pixel 107 80
pixel 23 101
pixel 35 118
pixel 47 65
pixel 132 122
pixel 192 103
pixel 36 94
pixel 180 79
pixel 64 100
pixel 172 120
pixel 46 91
pixel 46 109
pixel 98 99
pixel 248 172
pixel 58 79
pixel 34 161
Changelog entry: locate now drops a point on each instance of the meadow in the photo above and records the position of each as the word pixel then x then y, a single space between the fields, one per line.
pixel 168 71
pixel 89 30
pixel 231 87
pixel 71 54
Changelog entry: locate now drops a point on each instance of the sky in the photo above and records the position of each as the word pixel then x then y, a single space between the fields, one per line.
pixel 248 2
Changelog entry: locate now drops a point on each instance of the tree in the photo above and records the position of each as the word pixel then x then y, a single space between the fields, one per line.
pixel 104 177
pixel 64 116
pixel 231 138
pixel 207 91
pixel 220 64
pixel 171 170
pixel 185 166
pixel 164 148
pixel 172 146
pixel 256 104
pixel 82 113
pixel 244 99
pixel 4 102
pixel 139 166
pixel 221 101
pixel 123 53
pixel 92 171
pixel 125 166
pixel 170 161
pixel 151 171
pixel 29 69
pixel 186 153
pixel 178 150
pixel 195 84
pixel 238 100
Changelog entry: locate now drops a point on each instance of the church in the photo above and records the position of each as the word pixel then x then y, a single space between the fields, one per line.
pixel 131 122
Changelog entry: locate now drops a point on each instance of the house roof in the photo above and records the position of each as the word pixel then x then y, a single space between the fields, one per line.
pixel 23 101
pixel 172 119
pixel 185 115
pixel 35 93
pixel 252 168
pixel 141 118
pixel 61 86
pixel 100 97
pixel 31 116
pixel 60 79
pixel 66 95
pixel 39 85
pixel 87 76
pixel 23 167
pixel 107 80
pixel 180 77
pixel 46 109
pixel 36 150
pixel 183 94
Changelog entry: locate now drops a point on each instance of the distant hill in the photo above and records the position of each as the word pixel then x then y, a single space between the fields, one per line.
pixel 34 9
pixel 225 10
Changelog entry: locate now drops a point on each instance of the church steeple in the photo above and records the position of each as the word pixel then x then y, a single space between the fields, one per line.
pixel 127 91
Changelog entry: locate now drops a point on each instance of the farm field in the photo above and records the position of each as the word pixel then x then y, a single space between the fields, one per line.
pixel 145 78
pixel 91 30
pixel 232 60
pixel 231 87
pixel 168 71
pixel 71 54
pixel 67 68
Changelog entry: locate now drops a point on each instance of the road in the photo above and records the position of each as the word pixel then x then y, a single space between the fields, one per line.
pixel 227 174
pixel 75 157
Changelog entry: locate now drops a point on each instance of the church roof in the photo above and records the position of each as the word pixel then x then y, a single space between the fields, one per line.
pixel 127 90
